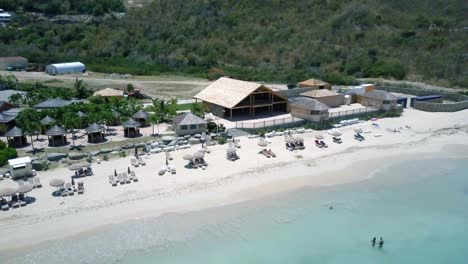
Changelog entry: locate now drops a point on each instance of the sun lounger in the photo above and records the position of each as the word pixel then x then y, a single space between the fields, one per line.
pixel 272 153
pixel 162 170
pixel 142 161
pixel 80 188
pixel 126 178
pixel 63 191
pixel 134 162
pixel 265 153
pixel 323 144
pixel 317 143
pixel 70 189
pixel 133 176
pixel 120 178
pixel 168 156
pixel 172 168
pixel 5 206
pixel 112 180
pixel 37 182
pixel 22 200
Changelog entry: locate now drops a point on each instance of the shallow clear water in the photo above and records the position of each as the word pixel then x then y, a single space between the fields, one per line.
pixel 420 208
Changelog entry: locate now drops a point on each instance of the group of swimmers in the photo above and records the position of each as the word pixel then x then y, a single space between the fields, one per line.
pixel 374 240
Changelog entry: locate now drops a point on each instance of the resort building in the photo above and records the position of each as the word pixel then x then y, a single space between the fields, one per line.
pixel 189 124
pixel 309 109
pixel 95 133
pixel 65 68
pixel 16 138
pixel 6 94
pixel 232 98
pixel 57 136
pixel 131 128
pixel 13 63
pixel 53 103
pixel 378 99
pixel 328 97
pixel 20 167
pixel 6 119
pixel 108 93
pixel 141 117
pixel 315 84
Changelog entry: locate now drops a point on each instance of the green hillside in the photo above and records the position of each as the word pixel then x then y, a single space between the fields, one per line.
pixel 270 40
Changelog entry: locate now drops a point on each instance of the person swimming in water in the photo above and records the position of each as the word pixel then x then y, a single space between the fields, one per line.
pixel 381 242
pixel 373 241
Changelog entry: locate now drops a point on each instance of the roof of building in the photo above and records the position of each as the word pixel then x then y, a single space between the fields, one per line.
pixel 94 128
pixel 227 92
pixel 188 119
pixel 108 92
pixel 6 94
pixel 4 104
pixel 380 95
pixel 19 161
pixel 319 93
pixel 5 118
pixel 131 123
pixel 313 82
pixel 14 132
pixel 56 131
pixel 47 120
pixel 17 58
pixel 115 113
pixel 140 115
pixel 53 103
pixel 309 104
pixel 68 65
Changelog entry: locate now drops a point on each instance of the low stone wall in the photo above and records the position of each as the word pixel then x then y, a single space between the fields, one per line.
pixel 460 100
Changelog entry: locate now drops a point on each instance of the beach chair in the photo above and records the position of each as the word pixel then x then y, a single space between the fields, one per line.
pixel 272 154
pixel 14 201
pixel 63 192
pixel 162 170
pixel 265 153
pixel 80 188
pixel 112 180
pixel 4 205
pixel 173 169
pixel 133 175
pixel 22 200
pixel 120 178
pixel 317 143
pixel 134 162
pixel 142 161
pixel 126 178
pixel 323 144
pixel 69 188
pixel 37 182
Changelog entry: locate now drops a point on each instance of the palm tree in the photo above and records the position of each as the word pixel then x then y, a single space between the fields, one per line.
pixel 153 118
pixel 81 89
pixel 71 121
pixel 197 110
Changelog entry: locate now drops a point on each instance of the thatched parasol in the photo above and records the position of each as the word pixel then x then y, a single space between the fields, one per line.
pixel 289 140
pixel 56 182
pixel 188 157
pixel 298 139
pixel 336 133
pixel 318 136
pixel 231 150
pixel 262 143
pixel 358 130
pixel 198 155
pixel 25 188
pixel 8 191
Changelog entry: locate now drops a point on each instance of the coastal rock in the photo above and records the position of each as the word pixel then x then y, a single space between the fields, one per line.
pixel 39 165
pixel 140 145
pixel 56 156
pixel 105 151
pixel 129 146
pixel 94 153
pixel 187 137
pixel 193 141
pixel 168 139
pixel 117 148
pixel 75 155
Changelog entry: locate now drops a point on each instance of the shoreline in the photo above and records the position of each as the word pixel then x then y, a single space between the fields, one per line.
pixel 222 184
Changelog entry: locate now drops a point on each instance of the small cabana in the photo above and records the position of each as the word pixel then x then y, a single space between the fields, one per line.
pixel 141 117
pixel 131 128
pixel 57 136
pixel 16 138
pixel 95 133
pixel 47 122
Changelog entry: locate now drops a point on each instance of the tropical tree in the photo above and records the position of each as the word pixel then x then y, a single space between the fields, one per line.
pixel 197 110
pixel 71 121
pixel 81 88
pixel 153 119
pixel 164 109
pixel 29 121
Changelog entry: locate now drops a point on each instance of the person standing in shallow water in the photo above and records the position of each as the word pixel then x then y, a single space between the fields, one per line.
pixel 381 242
pixel 373 241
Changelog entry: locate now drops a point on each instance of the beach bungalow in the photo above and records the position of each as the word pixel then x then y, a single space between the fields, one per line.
pixel 16 138
pixel 309 109
pixel 378 99
pixel 189 124
pixel 328 97
pixel 141 117
pixel 57 136
pixel 47 122
pixel 109 93
pixel 231 98
pixel 315 84
pixel 131 128
pixel 95 133
pixel 20 167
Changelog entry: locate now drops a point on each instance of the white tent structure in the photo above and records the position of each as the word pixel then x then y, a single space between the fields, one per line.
pixel 20 167
pixel 64 68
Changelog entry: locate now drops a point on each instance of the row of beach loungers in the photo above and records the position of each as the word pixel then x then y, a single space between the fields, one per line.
pixel 321 144
pixel 169 169
pixel 137 162
pixel 123 178
pixel 293 144
pixel 35 182
pixel 16 201
pixel 69 190
pixel 267 153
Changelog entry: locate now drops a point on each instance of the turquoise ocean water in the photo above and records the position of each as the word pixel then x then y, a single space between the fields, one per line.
pixel 420 208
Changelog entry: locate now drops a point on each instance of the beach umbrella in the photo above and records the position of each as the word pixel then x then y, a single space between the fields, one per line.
pixel 231 150
pixel 299 139
pixel 358 130
pixel 336 133
pixel 262 143
pixel 56 182
pixel 78 166
pixel 318 136
pixel 198 155
pixel 8 191
pixel 188 157
pixel 25 188
pixel 289 140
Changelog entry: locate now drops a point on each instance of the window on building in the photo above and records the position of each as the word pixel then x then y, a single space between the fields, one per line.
pixel 202 126
pixel 385 102
pixel 193 126
pixel 183 127
pixel 315 112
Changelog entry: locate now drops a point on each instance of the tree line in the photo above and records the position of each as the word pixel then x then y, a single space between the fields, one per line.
pixel 64 7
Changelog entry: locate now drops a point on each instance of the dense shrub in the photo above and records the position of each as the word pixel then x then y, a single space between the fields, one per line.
pixel 6 153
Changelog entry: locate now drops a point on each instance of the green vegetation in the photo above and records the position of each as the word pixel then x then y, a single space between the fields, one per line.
pixel 61 7
pixel 6 153
pixel 263 40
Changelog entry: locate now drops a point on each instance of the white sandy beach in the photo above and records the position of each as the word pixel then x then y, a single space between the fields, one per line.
pixel 225 182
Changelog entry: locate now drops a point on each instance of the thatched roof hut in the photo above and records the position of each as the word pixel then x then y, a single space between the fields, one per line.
pixel 57 135
pixel 131 128
pixel 16 137
pixel 47 121
pixel 95 133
